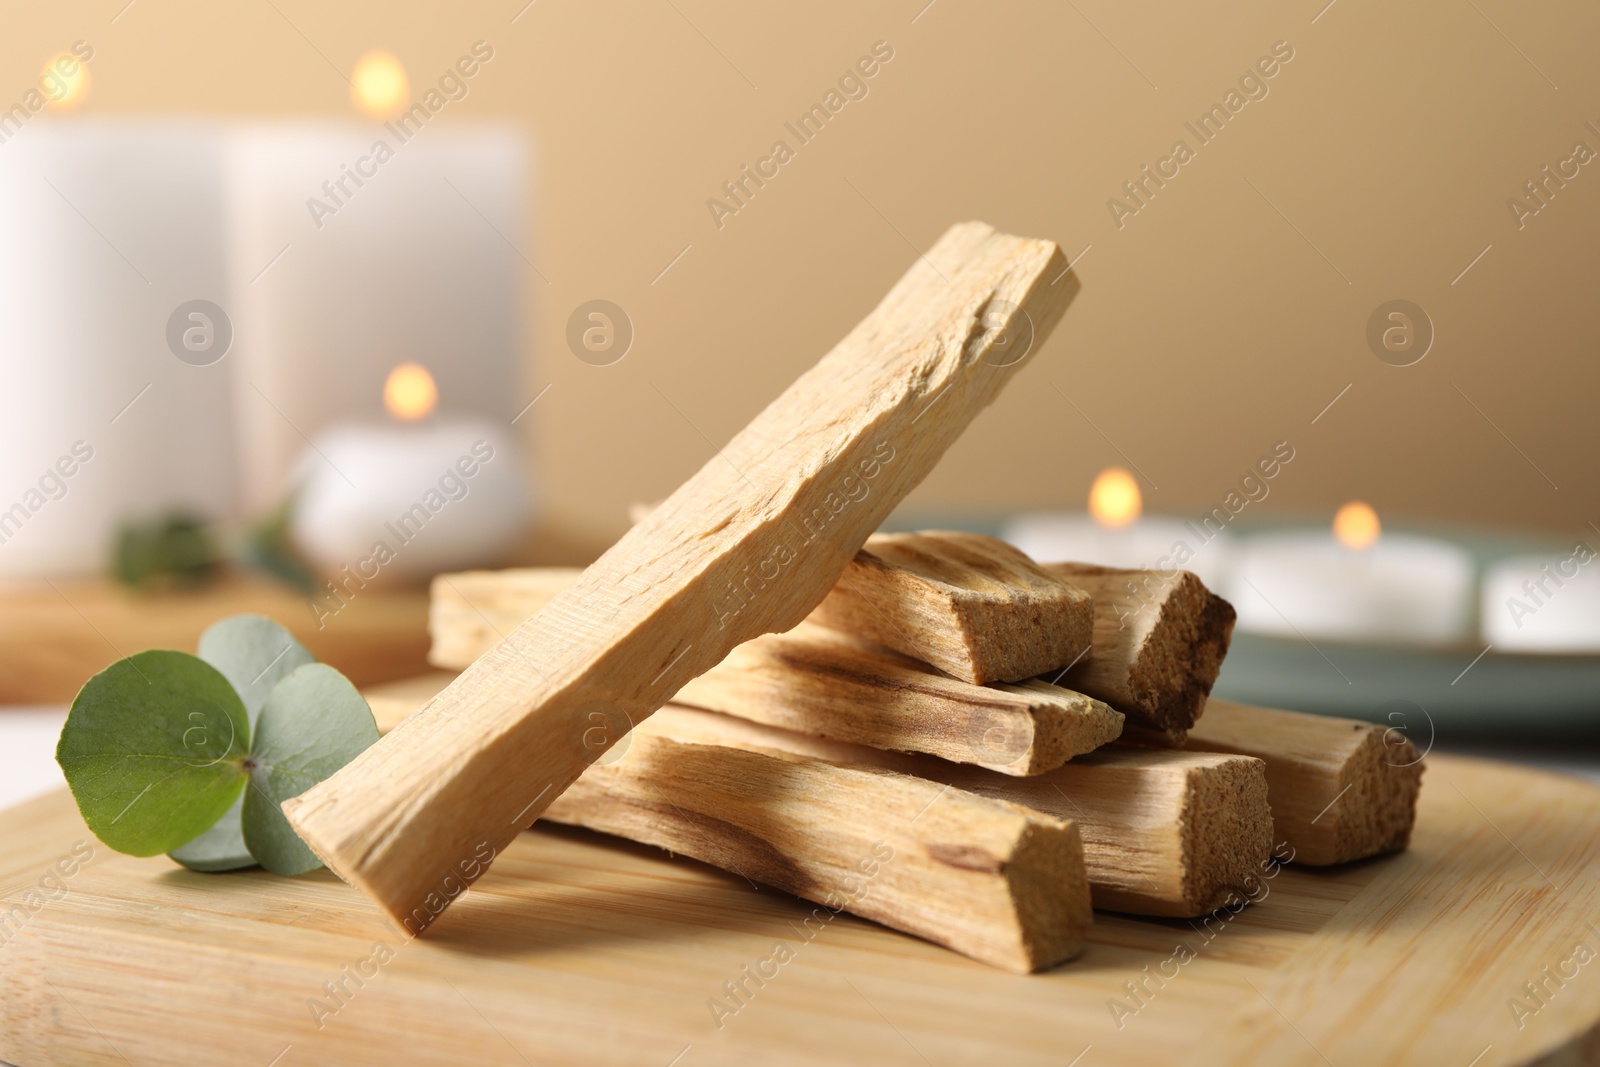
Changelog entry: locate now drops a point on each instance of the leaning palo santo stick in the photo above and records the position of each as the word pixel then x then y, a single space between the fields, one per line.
pixel 1340 789
pixel 817 681
pixel 992 880
pixel 971 605
pixel 1159 640
pixel 749 545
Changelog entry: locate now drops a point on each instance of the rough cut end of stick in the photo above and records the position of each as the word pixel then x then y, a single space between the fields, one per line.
pixel 1159 642
pixel 1049 889
pixel 1166 833
pixel 1340 789
pixel 1064 724
pixel 1385 779
pixel 1224 842
pixel 971 605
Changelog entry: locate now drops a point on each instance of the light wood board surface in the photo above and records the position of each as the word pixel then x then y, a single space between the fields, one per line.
pixel 576 948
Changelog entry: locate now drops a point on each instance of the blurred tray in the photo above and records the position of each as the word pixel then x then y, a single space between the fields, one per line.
pixel 1418 690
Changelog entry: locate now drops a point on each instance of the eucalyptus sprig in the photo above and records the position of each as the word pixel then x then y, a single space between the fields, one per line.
pixel 193 755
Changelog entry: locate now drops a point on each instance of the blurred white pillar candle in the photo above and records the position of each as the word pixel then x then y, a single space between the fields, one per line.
pixel 409 499
pixel 352 259
pixel 1543 604
pixel 1114 534
pixel 105 229
pixel 1358 587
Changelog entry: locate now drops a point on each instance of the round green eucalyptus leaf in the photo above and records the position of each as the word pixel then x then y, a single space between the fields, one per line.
pixel 312 724
pixel 220 848
pixel 152 750
pixel 255 654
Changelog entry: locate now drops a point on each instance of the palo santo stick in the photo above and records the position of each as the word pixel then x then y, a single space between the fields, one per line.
pixel 817 681
pixel 1159 641
pixel 997 882
pixel 749 545
pixel 992 880
pixel 814 681
pixel 1340 789
pixel 971 605
pixel 1164 832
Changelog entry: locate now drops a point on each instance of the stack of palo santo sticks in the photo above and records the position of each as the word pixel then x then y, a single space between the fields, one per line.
pixel 974 748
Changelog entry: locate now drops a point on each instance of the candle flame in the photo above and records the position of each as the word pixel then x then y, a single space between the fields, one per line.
pixel 409 393
pixel 1356 525
pixel 64 81
pixel 1114 498
pixel 379 86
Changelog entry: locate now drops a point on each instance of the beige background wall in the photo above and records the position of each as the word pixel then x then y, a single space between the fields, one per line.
pixel 1211 325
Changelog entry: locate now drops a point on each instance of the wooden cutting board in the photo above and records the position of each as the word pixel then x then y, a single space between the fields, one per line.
pixel 577 948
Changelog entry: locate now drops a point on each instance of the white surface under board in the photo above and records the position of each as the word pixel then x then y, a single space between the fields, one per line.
pixel 28 753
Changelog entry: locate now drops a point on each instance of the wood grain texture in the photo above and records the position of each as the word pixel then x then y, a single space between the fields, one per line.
pixel 470 612
pixel 970 605
pixel 1166 833
pixel 1159 641
pixel 992 880
pixel 817 681
pixel 1340 789
pixel 748 545
pixel 580 949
